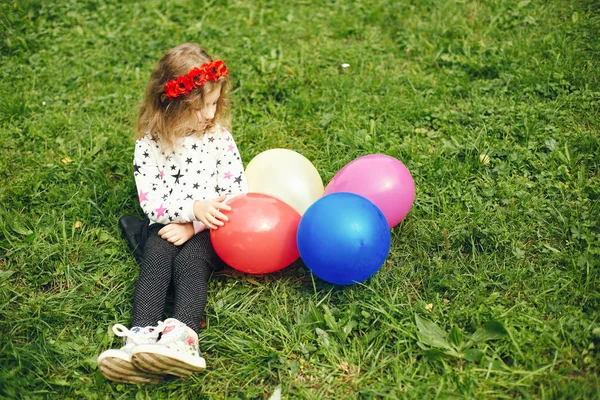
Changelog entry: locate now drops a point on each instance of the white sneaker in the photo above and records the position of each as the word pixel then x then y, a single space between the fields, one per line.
pixel 175 353
pixel 116 365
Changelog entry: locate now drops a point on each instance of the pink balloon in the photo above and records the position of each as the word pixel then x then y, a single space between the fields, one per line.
pixel 380 178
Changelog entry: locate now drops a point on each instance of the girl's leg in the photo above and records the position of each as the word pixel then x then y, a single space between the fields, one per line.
pixel 154 279
pixel 191 270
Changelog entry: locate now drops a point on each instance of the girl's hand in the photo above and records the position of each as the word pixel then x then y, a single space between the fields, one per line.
pixel 177 234
pixel 209 212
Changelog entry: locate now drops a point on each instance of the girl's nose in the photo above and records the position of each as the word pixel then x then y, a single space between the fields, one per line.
pixel 209 113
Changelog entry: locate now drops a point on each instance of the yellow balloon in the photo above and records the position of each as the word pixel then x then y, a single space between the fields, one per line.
pixel 286 175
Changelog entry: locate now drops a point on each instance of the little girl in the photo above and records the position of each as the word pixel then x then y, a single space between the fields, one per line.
pixel 186 167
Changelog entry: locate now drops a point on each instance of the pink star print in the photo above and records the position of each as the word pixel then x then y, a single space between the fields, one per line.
pixel 160 211
pixel 162 174
pixel 231 148
pixel 227 175
pixel 143 196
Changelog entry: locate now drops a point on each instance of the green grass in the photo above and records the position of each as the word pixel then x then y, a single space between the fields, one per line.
pixel 491 288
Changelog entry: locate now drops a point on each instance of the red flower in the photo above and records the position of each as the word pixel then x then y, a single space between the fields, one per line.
pixel 171 90
pixel 220 68
pixel 184 84
pixel 197 77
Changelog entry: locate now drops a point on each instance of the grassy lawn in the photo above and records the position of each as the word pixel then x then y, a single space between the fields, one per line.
pixel 492 286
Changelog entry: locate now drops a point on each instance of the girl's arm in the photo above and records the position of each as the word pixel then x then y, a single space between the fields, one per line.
pixel 157 199
pixel 231 179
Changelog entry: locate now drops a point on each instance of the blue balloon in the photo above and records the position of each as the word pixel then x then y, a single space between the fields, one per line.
pixel 343 238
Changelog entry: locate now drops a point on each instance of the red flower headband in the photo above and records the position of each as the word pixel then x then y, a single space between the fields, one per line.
pixel 197 77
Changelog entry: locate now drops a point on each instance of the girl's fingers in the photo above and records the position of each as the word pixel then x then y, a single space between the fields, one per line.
pixel 213 219
pixel 219 215
pixel 208 224
pixel 223 206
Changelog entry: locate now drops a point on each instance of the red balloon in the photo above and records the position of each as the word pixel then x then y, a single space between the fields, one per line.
pixel 260 236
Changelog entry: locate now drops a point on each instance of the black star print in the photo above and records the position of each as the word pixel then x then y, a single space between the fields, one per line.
pixel 176 214
pixel 136 168
pixel 146 155
pixel 177 176
pixel 218 162
pixel 211 139
pixel 213 174
pixel 196 186
pixel 173 167
pixel 188 160
pixel 189 196
pixel 238 179
pixel 194 146
pixel 217 188
pixel 157 176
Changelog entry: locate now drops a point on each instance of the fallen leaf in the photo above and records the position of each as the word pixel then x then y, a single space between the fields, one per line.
pixel 484 159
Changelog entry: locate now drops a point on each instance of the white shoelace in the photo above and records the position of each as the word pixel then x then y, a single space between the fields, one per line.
pixel 139 337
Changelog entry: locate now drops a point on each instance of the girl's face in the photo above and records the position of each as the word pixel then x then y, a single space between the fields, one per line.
pixel 207 110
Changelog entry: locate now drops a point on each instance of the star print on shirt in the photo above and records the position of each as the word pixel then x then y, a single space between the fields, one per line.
pixel 143 196
pixel 160 211
pixel 177 176
pixel 238 179
pixel 136 168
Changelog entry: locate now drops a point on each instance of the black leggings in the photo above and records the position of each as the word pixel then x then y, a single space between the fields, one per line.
pixel 188 267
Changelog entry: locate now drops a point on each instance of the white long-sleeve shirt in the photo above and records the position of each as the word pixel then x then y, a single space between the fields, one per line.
pixel 201 167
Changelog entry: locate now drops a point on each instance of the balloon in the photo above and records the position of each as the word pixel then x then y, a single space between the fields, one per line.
pixel 380 178
pixel 287 175
pixel 260 236
pixel 343 238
